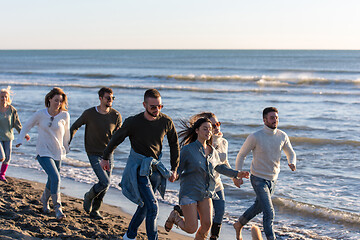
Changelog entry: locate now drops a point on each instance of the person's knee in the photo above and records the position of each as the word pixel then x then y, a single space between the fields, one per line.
pixel 153 209
pixel 192 228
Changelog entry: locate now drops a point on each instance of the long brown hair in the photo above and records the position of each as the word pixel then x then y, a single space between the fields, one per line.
pixel 188 133
pixel 52 93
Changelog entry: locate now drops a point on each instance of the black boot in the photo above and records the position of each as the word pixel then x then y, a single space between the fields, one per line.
pixel 88 199
pixel 215 231
pixel 178 209
pixel 96 206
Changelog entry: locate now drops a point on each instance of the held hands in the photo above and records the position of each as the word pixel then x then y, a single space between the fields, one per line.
pixel 238 180
pixel 27 137
pixel 243 174
pixel 292 167
pixel 105 164
pixel 173 177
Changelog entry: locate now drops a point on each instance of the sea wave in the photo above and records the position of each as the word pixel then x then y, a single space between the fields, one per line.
pixel 307 140
pixel 280 80
pixel 312 210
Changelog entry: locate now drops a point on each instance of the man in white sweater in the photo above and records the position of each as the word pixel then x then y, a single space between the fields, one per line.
pixel 266 146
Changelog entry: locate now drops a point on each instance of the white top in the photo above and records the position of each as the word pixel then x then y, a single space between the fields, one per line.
pixel 53 135
pixel 266 146
pixel 221 146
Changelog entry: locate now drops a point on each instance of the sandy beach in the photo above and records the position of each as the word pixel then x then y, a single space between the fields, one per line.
pixel 21 217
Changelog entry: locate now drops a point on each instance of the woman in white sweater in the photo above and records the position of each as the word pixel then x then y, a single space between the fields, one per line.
pixel 53 124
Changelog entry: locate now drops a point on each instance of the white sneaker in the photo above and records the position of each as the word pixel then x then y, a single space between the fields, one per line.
pixel 125 237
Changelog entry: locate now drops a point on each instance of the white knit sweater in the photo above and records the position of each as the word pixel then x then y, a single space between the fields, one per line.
pixel 266 146
pixel 221 146
pixel 53 141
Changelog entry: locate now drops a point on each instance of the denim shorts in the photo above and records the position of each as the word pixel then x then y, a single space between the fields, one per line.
pixel 185 200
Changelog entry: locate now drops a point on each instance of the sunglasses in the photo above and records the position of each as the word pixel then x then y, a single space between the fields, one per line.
pixel 110 98
pixel 217 124
pixel 51 121
pixel 154 107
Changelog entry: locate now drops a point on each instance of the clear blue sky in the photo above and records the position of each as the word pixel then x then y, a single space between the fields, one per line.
pixel 186 24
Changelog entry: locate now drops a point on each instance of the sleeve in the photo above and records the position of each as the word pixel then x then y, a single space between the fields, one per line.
pixel 222 167
pixel 33 120
pixel 77 124
pixel 118 122
pixel 289 151
pixel 183 159
pixel 224 153
pixel 226 170
pixel 16 121
pixel 246 148
pixel 66 139
pixel 118 137
pixel 174 146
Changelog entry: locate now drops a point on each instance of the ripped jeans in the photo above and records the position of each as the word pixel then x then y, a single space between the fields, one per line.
pixel 150 209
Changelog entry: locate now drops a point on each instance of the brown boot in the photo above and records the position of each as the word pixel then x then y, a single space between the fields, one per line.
pixel 174 218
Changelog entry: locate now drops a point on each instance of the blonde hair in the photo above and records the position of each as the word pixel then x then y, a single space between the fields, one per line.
pixel 9 93
pixel 52 93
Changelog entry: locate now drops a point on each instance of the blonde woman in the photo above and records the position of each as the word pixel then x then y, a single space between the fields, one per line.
pixel 53 124
pixel 9 120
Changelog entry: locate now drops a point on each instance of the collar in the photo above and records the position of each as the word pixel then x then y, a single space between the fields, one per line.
pixel 270 131
pixel 217 138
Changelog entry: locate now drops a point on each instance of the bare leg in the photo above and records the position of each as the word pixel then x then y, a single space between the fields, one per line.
pixel 190 218
pixel 205 211
pixel 238 227
pixel 256 233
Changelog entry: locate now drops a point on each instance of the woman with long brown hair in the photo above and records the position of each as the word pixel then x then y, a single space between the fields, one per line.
pixel 53 124
pixel 198 163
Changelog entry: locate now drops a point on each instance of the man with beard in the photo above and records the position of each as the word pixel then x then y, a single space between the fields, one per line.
pixel 144 172
pixel 266 146
pixel 100 124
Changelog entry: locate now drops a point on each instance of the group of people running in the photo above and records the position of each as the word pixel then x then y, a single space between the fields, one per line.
pixel 197 161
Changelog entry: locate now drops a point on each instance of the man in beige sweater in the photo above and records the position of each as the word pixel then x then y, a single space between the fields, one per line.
pixel 266 146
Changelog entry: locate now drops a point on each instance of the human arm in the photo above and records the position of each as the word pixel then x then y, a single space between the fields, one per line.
pixel 66 139
pixel 30 123
pixel 290 154
pixel 77 124
pixel 118 137
pixel 246 148
pixel 174 146
pixel 17 124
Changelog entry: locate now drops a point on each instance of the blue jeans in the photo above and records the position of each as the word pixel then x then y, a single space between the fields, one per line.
pixel 52 169
pixel 147 186
pixel 5 151
pixel 102 175
pixel 219 207
pixel 264 189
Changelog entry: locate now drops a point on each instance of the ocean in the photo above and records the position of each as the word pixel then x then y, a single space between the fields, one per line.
pixel 316 92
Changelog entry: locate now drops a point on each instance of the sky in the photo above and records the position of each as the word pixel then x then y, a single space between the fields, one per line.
pixel 186 24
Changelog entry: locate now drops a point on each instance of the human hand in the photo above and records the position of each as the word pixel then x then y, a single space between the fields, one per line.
pixel 243 174
pixel 18 145
pixel 173 177
pixel 27 137
pixel 105 164
pixel 238 182
pixel 292 167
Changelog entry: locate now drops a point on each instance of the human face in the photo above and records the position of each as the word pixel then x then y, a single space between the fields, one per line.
pixel 107 100
pixel 153 106
pixel 271 120
pixel 4 98
pixel 56 102
pixel 204 132
pixel 215 125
